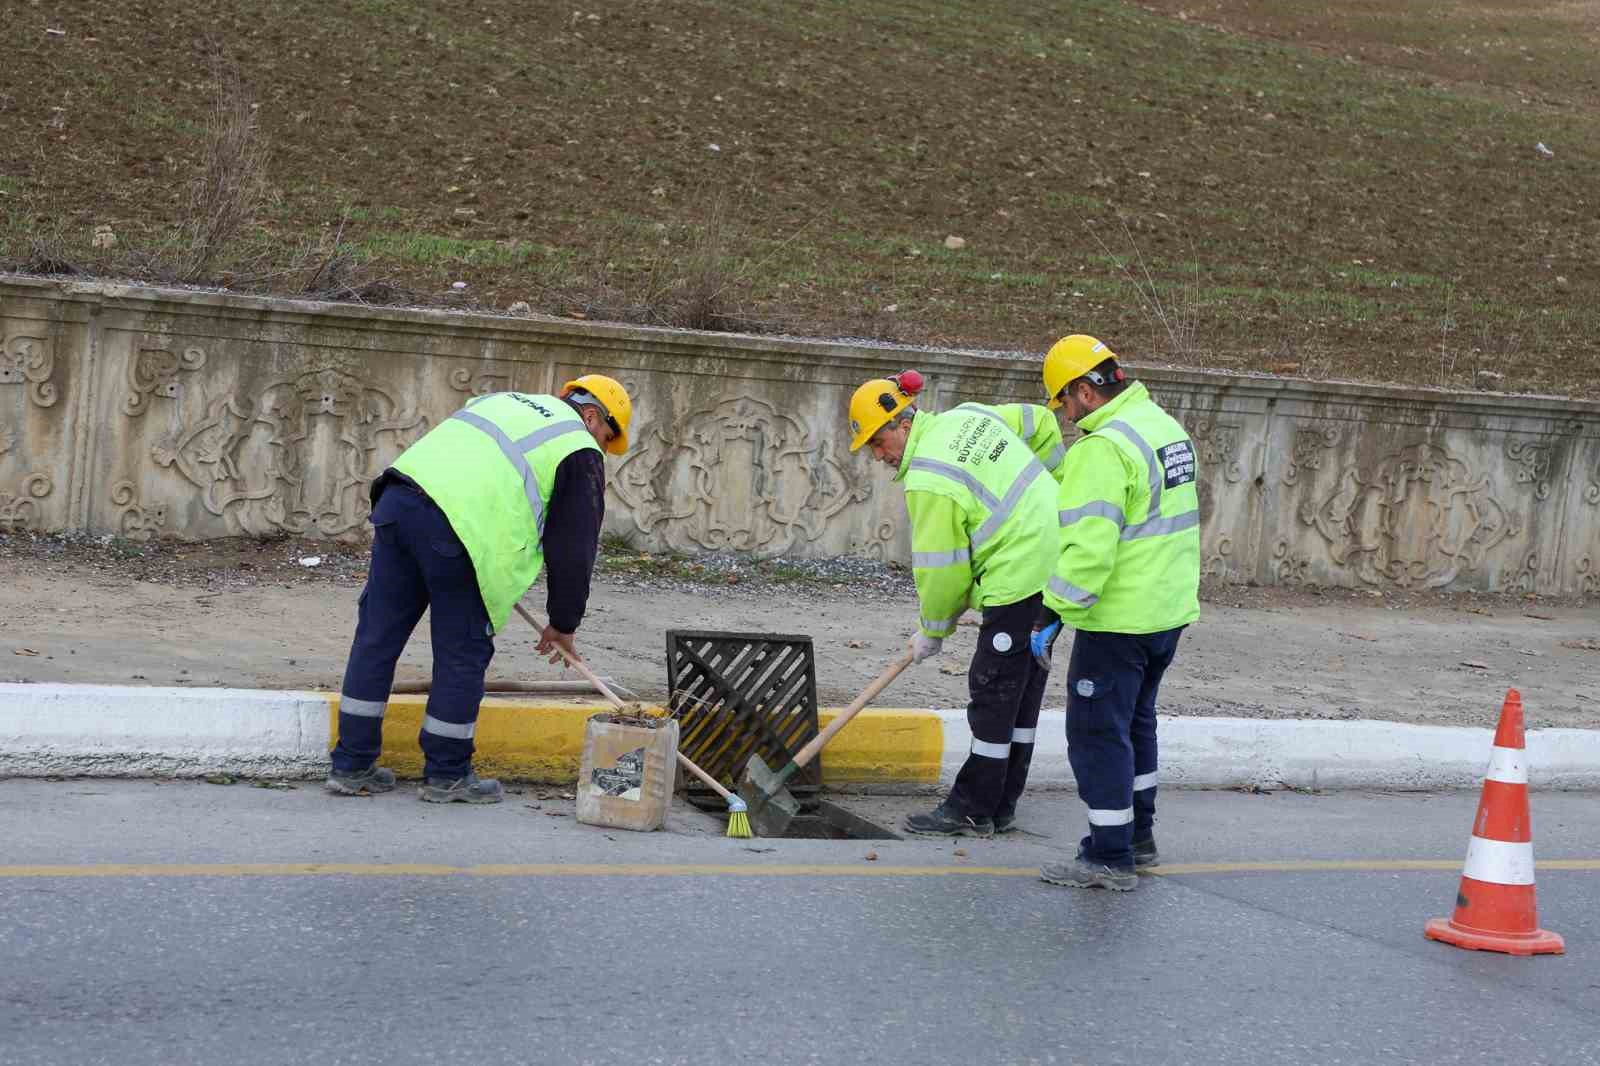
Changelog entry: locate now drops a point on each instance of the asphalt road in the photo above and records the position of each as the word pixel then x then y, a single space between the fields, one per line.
pixel 163 923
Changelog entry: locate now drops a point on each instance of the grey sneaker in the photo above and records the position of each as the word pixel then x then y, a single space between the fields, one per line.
pixel 1080 873
pixel 368 782
pixel 1004 823
pixel 1144 854
pixel 943 822
pixel 469 789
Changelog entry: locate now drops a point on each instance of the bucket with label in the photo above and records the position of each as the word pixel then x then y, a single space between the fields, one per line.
pixel 627 772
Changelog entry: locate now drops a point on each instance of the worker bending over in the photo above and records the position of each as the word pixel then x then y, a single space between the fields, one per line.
pixel 983 532
pixel 463 522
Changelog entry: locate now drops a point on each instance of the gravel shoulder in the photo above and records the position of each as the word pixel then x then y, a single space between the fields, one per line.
pixel 249 613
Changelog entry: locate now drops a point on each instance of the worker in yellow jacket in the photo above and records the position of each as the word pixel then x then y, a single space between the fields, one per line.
pixel 1127 578
pixel 464 521
pixel 983 530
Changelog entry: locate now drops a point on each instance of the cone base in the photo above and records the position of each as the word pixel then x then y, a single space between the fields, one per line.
pixel 1538 942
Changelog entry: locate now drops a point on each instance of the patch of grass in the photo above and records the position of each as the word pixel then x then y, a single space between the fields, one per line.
pixel 428 249
pixel 1245 156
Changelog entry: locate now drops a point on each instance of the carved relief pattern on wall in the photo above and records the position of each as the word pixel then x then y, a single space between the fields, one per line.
pixel 1526 579
pixel 136 521
pixel 1420 517
pixel 1307 451
pixel 794 486
pixel 1287 567
pixel 1215 564
pixel 8 438
pixel 29 362
pixel 1533 464
pixel 155 372
pixel 21 511
pixel 1218 444
pixel 296 458
pixel 1588 577
pixel 476 382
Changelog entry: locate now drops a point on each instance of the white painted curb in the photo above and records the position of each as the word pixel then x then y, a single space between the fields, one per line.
pixel 1198 752
pixel 129 731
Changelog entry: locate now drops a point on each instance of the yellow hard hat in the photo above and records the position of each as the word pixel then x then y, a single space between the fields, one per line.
pixel 614 399
pixel 878 401
pixel 1068 359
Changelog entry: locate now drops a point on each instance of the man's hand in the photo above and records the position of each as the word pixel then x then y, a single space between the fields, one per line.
pixel 924 646
pixel 1042 641
pixel 553 642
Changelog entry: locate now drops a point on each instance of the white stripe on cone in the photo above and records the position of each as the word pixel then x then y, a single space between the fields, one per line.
pixel 1508 766
pixel 1499 862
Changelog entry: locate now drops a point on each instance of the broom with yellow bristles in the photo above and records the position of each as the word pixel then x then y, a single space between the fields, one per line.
pixel 738 813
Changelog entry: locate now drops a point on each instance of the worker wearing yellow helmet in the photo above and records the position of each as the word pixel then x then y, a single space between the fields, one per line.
pixel 464 520
pixel 1127 577
pixel 983 531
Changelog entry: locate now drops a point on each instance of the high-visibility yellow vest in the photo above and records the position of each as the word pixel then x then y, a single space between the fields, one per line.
pixel 1037 426
pixel 490 467
pixel 982 509
pixel 1129 514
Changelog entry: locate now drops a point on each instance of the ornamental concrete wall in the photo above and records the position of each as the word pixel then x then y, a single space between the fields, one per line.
pixel 141 412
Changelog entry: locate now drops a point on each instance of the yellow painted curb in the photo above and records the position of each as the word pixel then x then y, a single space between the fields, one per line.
pixel 543 741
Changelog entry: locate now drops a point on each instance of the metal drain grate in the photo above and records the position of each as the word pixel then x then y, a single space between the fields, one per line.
pixel 737 694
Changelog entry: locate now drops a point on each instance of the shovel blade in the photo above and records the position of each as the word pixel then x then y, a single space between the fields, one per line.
pixel 772 805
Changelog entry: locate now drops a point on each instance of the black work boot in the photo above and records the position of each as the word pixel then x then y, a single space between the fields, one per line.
pixel 943 822
pixel 368 782
pixel 469 789
pixel 1081 873
pixel 1144 854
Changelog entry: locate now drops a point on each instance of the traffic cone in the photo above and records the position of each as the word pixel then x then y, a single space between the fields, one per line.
pixel 1495 908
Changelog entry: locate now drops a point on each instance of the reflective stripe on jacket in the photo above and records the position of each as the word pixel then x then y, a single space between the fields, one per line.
pixel 1036 425
pixel 1129 515
pixel 983 525
pixel 490 468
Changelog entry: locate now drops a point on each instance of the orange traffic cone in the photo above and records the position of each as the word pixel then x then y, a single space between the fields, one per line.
pixel 1495 908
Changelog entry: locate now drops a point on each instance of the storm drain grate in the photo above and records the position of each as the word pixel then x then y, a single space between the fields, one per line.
pixel 738 694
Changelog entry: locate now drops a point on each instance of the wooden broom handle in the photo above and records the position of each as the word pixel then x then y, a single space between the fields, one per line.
pixel 600 686
pixel 878 684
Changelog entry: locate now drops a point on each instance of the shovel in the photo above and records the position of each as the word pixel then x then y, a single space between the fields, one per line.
pixel 772 805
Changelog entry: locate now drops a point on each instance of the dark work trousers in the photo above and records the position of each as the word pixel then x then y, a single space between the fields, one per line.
pixel 1111 736
pixel 1006 688
pixel 418 563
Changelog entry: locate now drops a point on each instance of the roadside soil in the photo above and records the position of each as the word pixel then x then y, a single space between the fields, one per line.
pixel 250 613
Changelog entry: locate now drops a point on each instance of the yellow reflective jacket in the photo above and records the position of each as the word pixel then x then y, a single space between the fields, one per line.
pixel 983 525
pixel 1129 516
pixel 490 468
pixel 1037 426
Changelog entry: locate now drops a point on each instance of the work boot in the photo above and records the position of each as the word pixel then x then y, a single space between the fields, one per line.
pixel 1144 854
pixel 469 789
pixel 1081 873
pixel 368 782
pixel 943 822
pixel 1004 823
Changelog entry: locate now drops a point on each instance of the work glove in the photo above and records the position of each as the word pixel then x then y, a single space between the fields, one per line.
pixel 924 646
pixel 1042 641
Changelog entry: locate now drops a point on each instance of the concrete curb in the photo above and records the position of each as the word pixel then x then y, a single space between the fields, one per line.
pixel 128 731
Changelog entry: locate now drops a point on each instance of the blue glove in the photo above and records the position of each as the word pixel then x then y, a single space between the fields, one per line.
pixel 1042 642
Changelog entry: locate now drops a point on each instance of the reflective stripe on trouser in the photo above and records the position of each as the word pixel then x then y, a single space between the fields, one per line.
pixel 1112 681
pixel 417 563
pixel 1006 687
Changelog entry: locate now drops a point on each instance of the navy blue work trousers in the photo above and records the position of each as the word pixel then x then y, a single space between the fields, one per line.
pixel 1111 736
pixel 418 564
pixel 1005 687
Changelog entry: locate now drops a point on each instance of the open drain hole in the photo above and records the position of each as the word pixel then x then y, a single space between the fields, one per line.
pixel 829 821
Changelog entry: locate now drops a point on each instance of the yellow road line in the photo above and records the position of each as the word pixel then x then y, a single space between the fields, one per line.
pixel 713 870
